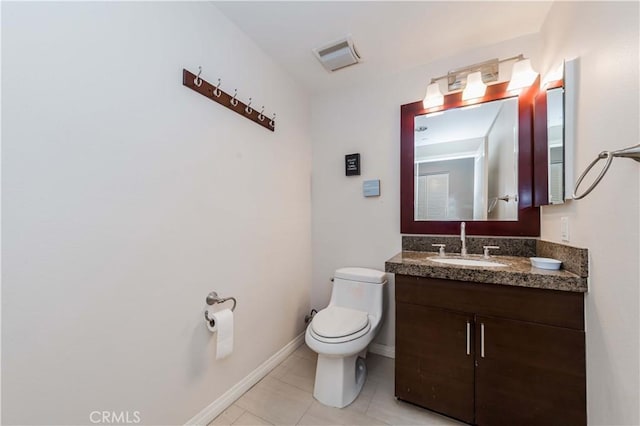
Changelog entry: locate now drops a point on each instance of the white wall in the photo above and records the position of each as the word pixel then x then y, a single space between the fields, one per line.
pixel 605 38
pixel 128 197
pixel 348 229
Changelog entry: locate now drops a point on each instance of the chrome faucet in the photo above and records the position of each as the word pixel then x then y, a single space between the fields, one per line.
pixel 463 236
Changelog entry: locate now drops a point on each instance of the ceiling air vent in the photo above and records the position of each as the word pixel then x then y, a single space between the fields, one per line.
pixel 338 54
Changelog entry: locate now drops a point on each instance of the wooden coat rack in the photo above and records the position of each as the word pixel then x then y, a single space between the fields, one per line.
pixel 194 82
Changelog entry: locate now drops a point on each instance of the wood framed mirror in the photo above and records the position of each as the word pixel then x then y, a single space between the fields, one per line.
pixel 440 186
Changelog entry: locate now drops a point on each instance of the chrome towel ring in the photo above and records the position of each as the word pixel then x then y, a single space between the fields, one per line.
pixel 632 152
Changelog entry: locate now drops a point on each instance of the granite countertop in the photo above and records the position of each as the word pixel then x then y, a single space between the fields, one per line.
pixel 517 272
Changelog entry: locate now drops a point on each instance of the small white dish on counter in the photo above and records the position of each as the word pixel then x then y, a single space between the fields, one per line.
pixel 545 263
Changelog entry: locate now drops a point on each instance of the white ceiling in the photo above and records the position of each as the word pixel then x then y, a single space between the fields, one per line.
pixel 441 134
pixel 446 126
pixel 390 36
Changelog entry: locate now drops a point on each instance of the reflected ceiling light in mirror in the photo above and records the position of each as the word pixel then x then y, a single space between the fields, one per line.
pixel 522 75
pixel 470 107
pixel 433 97
pixel 435 114
pixel 475 86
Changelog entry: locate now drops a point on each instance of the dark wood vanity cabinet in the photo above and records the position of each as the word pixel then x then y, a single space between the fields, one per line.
pixel 491 354
pixel 432 366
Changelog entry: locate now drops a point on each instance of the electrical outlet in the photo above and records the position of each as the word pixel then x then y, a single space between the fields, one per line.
pixel 564 228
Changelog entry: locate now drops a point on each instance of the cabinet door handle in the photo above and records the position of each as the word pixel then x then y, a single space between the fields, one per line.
pixel 468 338
pixel 482 340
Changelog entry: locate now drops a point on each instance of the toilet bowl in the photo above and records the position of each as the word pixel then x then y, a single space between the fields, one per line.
pixel 341 333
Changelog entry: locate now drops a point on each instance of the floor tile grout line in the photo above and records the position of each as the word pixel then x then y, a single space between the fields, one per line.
pixel 254 415
pixel 225 411
pixel 305 412
pixel 289 384
pixel 370 401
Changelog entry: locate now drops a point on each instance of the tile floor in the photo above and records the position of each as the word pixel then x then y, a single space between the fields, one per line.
pixel 285 397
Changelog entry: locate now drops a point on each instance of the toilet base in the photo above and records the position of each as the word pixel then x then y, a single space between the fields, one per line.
pixel 339 380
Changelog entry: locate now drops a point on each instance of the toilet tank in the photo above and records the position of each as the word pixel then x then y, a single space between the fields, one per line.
pixel 359 288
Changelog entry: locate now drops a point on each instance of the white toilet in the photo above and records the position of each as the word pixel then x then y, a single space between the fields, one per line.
pixel 341 333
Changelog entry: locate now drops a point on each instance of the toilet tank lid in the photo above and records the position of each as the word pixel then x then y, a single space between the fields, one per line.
pixel 361 274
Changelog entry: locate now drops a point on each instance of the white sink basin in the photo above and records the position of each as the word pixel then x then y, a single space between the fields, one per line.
pixel 466 262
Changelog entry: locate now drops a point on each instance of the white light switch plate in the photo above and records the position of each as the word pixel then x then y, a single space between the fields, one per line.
pixel 564 228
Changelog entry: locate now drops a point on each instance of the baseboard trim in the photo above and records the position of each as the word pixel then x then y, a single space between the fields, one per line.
pixel 384 350
pixel 214 409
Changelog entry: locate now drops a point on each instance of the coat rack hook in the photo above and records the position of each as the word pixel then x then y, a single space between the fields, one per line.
pixel 216 90
pixel 198 81
pixel 233 100
pixel 272 123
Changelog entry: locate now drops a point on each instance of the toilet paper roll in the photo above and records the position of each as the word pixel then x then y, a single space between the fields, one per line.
pixel 223 326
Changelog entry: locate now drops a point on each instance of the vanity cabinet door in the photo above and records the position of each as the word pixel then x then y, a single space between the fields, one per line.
pixel 435 359
pixel 529 374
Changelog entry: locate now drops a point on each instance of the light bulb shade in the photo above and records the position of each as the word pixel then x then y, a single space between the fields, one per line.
pixel 522 75
pixel 433 97
pixel 475 87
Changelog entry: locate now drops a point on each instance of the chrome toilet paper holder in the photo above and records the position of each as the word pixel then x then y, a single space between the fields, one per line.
pixel 212 299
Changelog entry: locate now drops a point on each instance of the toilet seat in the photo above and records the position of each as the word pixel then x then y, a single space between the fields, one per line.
pixel 336 324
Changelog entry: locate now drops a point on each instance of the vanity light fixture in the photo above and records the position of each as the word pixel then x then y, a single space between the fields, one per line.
pixel 522 75
pixel 475 87
pixel 474 78
pixel 433 97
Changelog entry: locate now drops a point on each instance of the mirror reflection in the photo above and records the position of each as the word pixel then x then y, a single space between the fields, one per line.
pixel 465 163
pixel 555 142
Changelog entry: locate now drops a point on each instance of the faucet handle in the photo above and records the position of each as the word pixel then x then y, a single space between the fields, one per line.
pixel 487 248
pixel 441 251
